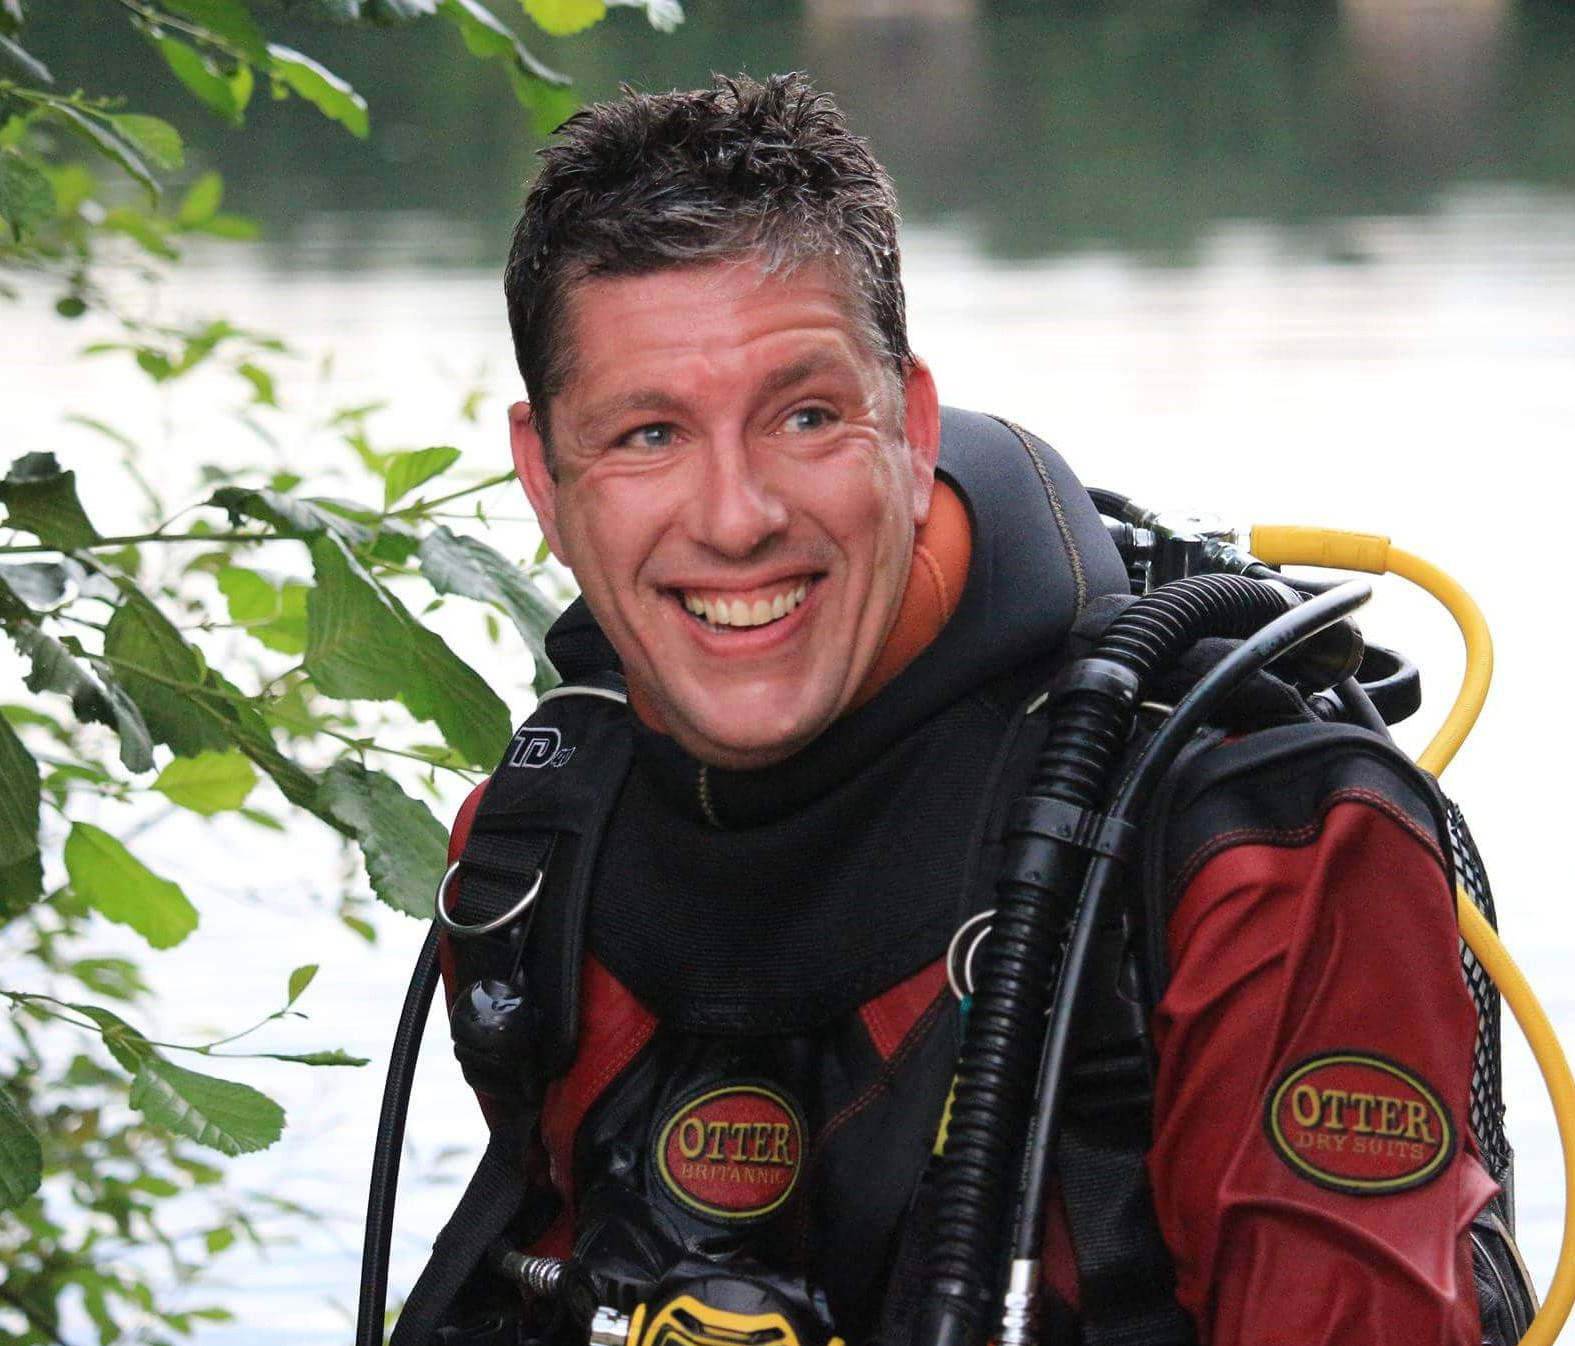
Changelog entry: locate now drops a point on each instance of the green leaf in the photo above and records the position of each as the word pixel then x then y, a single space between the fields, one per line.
pixel 201 78
pixel 11 16
pixel 324 89
pixel 21 866
pixel 42 585
pixel 274 616
pixel 126 1044
pixel 155 139
pixel 202 199
pixel 209 783
pixel 21 884
pixel 225 19
pixel 20 797
pixel 117 977
pixel 292 517
pixel 41 499
pixel 361 642
pixel 108 141
pixel 488 37
pixel 405 471
pixel 21 1156
pixel 336 1057
pixel 263 391
pixel 120 887
pixel 55 668
pixel 453 564
pixel 218 1240
pixel 32 69
pixel 26 197
pixel 563 17
pixel 300 979
pixel 221 1114
pixel 148 233
pixel 403 846
pixel 161 672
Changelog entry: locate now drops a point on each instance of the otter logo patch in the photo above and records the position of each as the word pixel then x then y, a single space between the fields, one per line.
pixel 732 1152
pixel 1354 1122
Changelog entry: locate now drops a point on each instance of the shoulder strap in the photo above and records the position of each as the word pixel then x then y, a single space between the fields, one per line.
pixel 542 818
pixel 539 821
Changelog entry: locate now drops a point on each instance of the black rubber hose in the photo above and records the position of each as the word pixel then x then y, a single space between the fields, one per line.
pixel 1035 896
pixel 1111 504
pixel 390 1141
pixel 1359 707
pixel 1190 714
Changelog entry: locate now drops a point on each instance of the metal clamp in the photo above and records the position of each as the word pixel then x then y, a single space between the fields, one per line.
pixel 461 931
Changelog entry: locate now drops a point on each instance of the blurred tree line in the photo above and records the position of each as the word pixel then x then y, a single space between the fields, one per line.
pixel 1040 128
pixel 261 651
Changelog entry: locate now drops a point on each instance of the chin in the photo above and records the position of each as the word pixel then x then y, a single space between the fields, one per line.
pixel 735 749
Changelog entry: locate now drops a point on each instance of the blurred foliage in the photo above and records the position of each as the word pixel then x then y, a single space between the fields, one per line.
pixel 262 653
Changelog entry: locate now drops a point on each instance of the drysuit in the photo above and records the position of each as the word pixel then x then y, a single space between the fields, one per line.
pixel 765 1034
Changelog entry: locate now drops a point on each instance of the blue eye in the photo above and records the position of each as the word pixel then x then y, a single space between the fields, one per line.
pixel 650 437
pixel 808 419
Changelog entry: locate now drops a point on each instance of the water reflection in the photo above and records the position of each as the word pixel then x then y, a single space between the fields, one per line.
pixel 1044 129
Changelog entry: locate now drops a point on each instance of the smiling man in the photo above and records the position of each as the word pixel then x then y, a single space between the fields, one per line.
pixel 758 831
pixel 734 473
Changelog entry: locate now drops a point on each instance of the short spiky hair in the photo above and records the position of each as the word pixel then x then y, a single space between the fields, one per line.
pixel 652 181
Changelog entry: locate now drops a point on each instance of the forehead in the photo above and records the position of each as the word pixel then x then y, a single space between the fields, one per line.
pixel 721 318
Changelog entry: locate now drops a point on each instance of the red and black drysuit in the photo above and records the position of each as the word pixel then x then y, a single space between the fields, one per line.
pixel 765 1033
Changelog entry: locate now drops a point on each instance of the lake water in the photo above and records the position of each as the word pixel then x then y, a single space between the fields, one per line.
pixel 1396 358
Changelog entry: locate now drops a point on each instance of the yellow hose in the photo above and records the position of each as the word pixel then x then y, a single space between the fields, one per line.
pixel 1283 545
pixel 1289 545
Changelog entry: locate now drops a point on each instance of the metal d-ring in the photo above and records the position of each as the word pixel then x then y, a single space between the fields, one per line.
pixel 461 931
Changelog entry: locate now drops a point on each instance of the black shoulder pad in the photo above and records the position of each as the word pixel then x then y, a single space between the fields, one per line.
pixel 1273 783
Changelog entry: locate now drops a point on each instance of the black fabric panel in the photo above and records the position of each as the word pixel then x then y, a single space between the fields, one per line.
pixel 1281 780
pixel 1278 780
pixel 869 1127
pixel 794 922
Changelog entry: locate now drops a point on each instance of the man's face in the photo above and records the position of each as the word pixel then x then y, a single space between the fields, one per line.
pixel 738 484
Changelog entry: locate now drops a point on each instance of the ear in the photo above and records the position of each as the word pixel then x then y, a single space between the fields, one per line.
pixel 530 464
pixel 922 428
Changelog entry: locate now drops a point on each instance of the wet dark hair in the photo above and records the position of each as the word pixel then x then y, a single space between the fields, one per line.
pixel 653 181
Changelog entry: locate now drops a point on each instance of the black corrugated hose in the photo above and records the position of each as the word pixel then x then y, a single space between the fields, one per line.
pixel 1041 877
pixel 390 1141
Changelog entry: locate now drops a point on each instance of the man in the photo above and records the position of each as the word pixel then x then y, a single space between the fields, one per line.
pixel 835 668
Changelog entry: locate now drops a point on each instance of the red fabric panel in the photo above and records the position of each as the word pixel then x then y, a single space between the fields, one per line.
pixel 614 1026
pixel 457 838
pixel 889 1017
pixel 1342 937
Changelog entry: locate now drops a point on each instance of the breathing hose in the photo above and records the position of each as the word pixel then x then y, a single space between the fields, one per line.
pixel 1041 876
pixel 1191 713
pixel 1288 545
pixel 390 1142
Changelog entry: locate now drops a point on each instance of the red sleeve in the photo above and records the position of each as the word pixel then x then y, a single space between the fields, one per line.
pixel 1312 1166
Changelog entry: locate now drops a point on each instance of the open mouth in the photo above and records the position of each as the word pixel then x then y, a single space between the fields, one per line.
pixel 744 611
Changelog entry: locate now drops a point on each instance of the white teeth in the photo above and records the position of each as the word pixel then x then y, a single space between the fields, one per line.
pixel 736 612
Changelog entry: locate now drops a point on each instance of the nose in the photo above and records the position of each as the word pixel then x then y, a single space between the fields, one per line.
pixel 736 509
